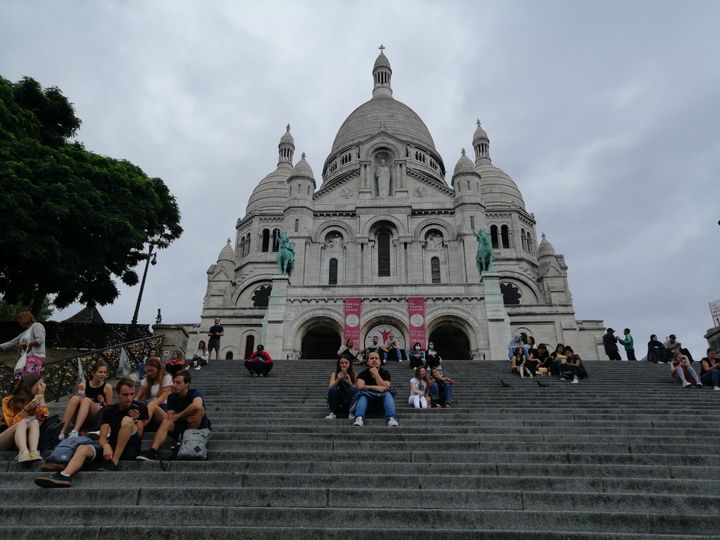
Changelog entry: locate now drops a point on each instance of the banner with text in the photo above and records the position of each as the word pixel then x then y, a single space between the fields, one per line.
pixel 416 315
pixel 715 312
pixel 352 322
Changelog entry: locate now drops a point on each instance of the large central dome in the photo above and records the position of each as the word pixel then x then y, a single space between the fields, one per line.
pixel 382 113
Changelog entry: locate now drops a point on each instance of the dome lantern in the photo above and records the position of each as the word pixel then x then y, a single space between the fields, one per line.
pixel 481 144
pixel 286 147
pixel 382 73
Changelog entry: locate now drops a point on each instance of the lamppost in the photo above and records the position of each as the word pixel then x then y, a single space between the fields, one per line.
pixel 150 259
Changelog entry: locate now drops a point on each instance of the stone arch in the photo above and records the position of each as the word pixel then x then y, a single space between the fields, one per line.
pixel 385 315
pixel 453 336
pixel 319 337
pixel 524 284
pixel 249 287
pixel 334 225
pixel 421 229
pixel 368 228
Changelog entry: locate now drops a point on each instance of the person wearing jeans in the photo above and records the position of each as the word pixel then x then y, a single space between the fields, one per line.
pixel 710 369
pixel 373 384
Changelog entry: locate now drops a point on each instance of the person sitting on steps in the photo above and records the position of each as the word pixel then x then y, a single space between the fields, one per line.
pixel 392 349
pixel 518 365
pixel 92 396
pixel 710 369
pixel 441 389
pixel 347 351
pixel 155 389
pixel 681 371
pixel 22 413
pixel 186 410
pixel 121 428
pixel 432 358
pixel 416 356
pixel 374 347
pixel 260 363
pixel 374 385
pixel 341 389
pixel 419 389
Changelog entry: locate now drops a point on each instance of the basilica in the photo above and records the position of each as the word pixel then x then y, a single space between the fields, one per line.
pixel 385 241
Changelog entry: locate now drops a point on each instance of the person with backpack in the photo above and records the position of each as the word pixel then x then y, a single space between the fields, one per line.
pixel 185 410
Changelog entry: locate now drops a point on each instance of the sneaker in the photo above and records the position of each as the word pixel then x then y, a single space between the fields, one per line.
pixel 61 436
pixel 699 385
pixel 575 381
pixel 23 456
pixel 400 361
pixel 56 480
pixel 148 455
pixel 197 368
pixel 109 465
pixel 35 455
pixel 686 384
pixel 392 422
pixel 358 421
pixel 716 387
pixel 331 416
pixel 351 416
pixel 73 434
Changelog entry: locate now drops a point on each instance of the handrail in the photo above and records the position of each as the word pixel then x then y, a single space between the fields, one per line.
pixel 61 376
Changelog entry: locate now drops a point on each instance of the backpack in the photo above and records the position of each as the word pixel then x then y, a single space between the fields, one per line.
pixel 194 444
pixel 49 433
pixel 65 449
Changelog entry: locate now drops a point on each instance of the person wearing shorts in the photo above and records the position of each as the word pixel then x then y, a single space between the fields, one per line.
pixel 121 428
pixel 216 332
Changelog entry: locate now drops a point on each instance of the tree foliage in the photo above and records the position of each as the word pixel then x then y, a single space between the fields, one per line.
pixel 72 221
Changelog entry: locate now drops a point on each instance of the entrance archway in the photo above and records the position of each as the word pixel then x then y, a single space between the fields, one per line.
pixel 451 342
pixel 322 340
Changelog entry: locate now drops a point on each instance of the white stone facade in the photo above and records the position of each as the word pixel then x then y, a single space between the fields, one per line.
pixel 352 240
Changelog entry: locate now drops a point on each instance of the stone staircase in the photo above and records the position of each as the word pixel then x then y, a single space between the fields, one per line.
pixel 624 454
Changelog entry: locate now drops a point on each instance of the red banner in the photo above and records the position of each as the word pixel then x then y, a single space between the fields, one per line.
pixel 352 322
pixel 416 316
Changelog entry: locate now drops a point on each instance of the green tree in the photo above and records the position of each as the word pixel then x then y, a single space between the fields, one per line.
pixel 8 312
pixel 71 220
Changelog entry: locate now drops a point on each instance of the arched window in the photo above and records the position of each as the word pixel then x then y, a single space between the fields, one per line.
pixel 494 236
pixel 249 345
pixel 472 223
pixel 297 225
pixel 383 243
pixel 261 296
pixel 435 269
pixel 529 242
pixel 242 246
pixel 332 278
pixel 229 355
pixel 505 234
pixel 276 239
pixel 523 240
pixel 265 240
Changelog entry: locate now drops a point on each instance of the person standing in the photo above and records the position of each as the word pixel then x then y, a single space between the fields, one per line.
pixel 610 343
pixel 216 332
pixel 32 340
pixel 629 345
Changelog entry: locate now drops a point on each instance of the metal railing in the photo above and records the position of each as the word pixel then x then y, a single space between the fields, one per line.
pixel 61 377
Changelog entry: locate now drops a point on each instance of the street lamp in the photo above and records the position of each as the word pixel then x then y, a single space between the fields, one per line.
pixel 150 259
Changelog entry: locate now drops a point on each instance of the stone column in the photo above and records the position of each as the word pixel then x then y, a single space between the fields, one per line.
pixel 273 324
pixel 497 318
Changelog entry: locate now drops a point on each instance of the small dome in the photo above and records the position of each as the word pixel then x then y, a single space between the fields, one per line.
pixel 227 253
pixel 497 188
pixel 545 248
pixel 382 61
pixel 271 193
pixel 480 133
pixel 302 169
pixel 464 165
pixel 287 137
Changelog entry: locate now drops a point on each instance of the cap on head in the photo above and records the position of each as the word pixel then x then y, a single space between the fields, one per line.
pixel 260 347
pixel 610 331
pixel 672 336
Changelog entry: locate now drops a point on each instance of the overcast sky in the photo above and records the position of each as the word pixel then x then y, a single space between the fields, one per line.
pixel 606 115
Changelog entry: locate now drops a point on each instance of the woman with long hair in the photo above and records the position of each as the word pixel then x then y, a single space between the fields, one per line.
pixel 341 389
pixel 441 389
pixel 155 389
pixel 201 356
pixel 22 413
pixel 31 340
pixel 419 389
pixel 175 363
pixel 92 395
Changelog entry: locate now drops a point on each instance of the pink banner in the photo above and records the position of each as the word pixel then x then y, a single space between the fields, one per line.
pixel 352 322
pixel 416 315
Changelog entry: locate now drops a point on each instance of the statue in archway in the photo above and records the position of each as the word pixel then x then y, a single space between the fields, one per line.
pixel 484 255
pixel 383 179
pixel 285 258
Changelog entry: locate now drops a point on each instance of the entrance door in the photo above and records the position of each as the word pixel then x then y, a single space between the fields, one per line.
pixel 320 342
pixel 451 342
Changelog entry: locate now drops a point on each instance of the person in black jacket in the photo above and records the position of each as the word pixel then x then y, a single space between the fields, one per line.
pixel 610 343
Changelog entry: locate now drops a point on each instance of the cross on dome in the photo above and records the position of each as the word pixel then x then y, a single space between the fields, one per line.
pixel 302 155
pixel 288 127
pixel 382 48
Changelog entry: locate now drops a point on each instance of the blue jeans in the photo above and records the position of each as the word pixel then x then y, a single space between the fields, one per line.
pixel 711 377
pixel 445 399
pixel 387 401
pixel 394 352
